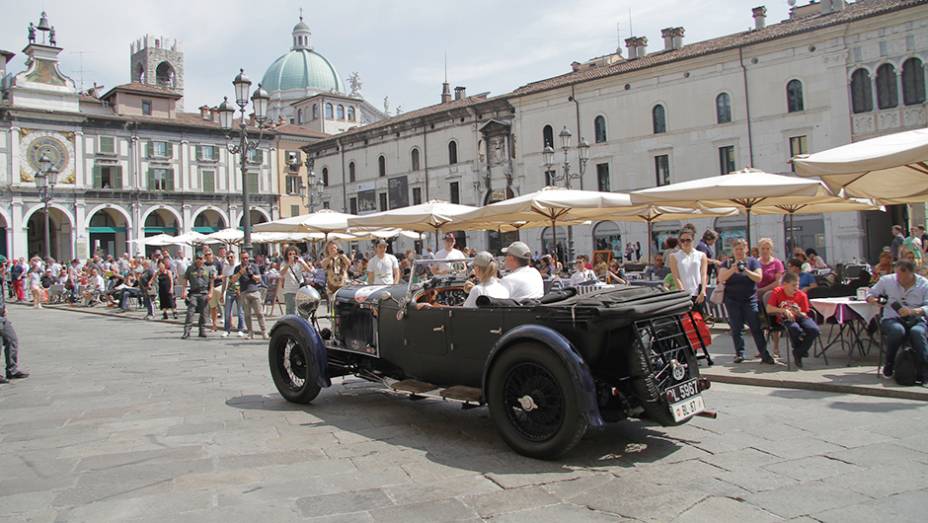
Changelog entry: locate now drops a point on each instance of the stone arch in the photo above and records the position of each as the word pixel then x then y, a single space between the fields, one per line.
pixel 204 212
pixel 157 209
pixel 61 231
pixel 117 208
pixel 165 75
pixel 258 215
pixel 110 237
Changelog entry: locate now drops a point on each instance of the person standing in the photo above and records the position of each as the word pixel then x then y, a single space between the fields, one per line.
pixel 148 282
pixel 199 279
pixel 292 277
pixel 17 276
pixel 707 246
pixel 166 301
pixel 214 301
pixel 8 335
pixel 772 271
pixel 740 276
pixel 689 268
pixel 898 238
pixel 383 269
pixel 231 298
pixel 904 315
pixel 35 286
pixel 250 285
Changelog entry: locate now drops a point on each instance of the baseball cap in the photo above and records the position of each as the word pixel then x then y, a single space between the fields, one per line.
pixel 483 259
pixel 518 250
pixel 382 242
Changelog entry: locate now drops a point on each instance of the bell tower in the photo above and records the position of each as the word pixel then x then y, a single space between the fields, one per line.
pixel 158 61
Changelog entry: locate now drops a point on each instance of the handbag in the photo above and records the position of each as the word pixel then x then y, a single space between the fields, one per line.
pixel 718 294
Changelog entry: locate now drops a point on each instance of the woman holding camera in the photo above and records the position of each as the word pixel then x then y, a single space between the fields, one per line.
pixel 293 274
pixel 740 276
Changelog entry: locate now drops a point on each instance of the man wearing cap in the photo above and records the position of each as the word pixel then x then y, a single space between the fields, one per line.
pixel 447 253
pixel 8 335
pixel 383 269
pixel 523 281
pixel 200 279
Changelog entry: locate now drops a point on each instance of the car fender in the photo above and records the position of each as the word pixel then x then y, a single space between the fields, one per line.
pixel 309 337
pixel 579 371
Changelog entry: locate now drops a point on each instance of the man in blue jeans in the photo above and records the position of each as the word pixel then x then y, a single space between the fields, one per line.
pixel 904 314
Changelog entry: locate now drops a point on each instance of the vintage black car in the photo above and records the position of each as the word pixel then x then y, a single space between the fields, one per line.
pixel 549 369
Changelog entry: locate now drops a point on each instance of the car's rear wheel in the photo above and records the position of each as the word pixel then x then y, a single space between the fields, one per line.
pixel 533 402
pixel 291 367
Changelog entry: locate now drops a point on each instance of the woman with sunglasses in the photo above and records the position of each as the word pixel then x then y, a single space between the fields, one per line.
pixel 740 277
pixel 689 268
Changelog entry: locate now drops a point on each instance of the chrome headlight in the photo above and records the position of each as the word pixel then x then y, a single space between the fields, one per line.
pixel 307 301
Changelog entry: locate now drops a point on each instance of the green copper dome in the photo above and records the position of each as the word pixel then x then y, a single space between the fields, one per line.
pixel 302 68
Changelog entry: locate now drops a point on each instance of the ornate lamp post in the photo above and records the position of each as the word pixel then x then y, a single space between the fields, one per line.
pixel 45 179
pixel 259 100
pixel 583 153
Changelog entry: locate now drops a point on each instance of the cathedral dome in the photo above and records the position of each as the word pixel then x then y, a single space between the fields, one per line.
pixel 302 68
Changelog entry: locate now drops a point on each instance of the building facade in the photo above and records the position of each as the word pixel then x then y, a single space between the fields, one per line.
pixel 830 74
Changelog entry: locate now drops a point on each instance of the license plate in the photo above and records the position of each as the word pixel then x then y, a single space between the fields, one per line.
pixel 681 391
pixel 687 408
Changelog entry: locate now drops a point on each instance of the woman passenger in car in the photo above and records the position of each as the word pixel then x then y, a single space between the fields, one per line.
pixel 487 283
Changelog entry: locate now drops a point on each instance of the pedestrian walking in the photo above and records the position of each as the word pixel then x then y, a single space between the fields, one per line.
pixel 250 285
pixel 199 278
pixel 10 343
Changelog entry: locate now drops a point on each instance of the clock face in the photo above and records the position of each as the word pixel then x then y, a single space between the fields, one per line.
pixel 54 146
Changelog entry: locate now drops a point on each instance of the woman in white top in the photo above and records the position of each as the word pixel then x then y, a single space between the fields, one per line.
pixel 35 286
pixel 292 275
pixel 689 268
pixel 489 285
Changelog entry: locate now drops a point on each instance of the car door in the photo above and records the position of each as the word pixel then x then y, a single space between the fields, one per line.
pixel 474 332
pixel 426 331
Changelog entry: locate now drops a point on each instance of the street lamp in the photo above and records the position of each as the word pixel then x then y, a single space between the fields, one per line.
pixel 259 101
pixel 583 155
pixel 45 179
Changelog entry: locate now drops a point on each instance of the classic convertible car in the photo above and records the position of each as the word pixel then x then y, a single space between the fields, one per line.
pixel 549 369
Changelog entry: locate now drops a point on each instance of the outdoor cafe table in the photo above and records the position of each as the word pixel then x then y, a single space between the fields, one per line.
pixel 852 317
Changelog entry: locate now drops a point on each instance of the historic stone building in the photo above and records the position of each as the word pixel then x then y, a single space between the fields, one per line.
pixel 829 74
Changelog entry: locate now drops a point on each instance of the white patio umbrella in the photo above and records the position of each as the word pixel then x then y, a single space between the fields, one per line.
pixel 891 169
pixel 549 206
pixel 747 189
pixel 228 236
pixel 431 216
pixel 189 238
pixel 158 240
pixel 651 214
pixel 324 221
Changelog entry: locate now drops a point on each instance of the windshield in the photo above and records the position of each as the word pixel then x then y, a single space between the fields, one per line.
pixel 425 270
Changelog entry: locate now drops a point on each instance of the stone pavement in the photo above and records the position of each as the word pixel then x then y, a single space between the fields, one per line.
pixel 123 421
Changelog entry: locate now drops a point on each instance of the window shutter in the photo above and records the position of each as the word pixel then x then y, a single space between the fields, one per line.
pixel 169 180
pixel 169 150
pixel 151 180
pixel 117 178
pixel 199 152
pixel 150 149
pixel 107 144
pixel 97 177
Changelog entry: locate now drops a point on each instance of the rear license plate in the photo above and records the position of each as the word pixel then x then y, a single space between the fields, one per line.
pixel 681 391
pixel 687 408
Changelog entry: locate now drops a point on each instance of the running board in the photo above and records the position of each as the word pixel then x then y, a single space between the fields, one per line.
pixel 470 396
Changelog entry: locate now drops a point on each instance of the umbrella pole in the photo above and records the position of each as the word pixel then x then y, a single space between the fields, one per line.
pixel 792 231
pixel 748 210
pixel 554 238
pixel 650 240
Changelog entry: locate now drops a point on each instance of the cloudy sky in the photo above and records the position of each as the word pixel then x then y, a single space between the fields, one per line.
pixel 397 47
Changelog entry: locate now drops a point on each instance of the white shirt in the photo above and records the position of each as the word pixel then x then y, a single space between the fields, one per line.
pixel 382 268
pixel 524 283
pixel 96 282
pixel 291 283
pixel 582 277
pixel 453 254
pixel 689 269
pixel 492 288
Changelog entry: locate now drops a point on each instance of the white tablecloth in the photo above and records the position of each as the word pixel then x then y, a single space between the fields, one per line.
pixel 838 307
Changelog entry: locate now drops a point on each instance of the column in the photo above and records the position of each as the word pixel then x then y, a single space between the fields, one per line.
pixel 19 245
pixel 79 170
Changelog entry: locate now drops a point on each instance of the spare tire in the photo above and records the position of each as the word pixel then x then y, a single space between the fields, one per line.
pixel 644 363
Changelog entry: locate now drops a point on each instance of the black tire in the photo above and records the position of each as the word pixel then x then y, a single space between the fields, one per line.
pixel 292 368
pixel 555 423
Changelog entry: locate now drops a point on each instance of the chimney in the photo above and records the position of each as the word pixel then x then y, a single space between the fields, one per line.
pixel 667 35
pixel 678 33
pixel 460 92
pixel 213 113
pixel 632 44
pixel 832 5
pixel 204 112
pixel 642 46
pixel 760 17
pixel 445 92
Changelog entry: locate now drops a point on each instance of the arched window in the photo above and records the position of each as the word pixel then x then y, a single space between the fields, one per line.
pixel 340 112
pixel 414 159
pixel 913 82
pixel 723 108
pixel 547 136
pixel 328 111
pixel 659 119
pixel 861 91
pixel 887 94
pixel 299 116
pixel 599 129
pixel 452 152
pixel 315 111
pixel 325 176
pixel 351 176
pixel 794 101
pixel 351 116
pixel 381 166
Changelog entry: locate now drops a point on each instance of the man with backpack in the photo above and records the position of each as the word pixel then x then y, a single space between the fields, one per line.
pixel 904 295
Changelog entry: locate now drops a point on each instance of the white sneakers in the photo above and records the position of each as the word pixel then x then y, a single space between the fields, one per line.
pixel 225 334
pixel 241 334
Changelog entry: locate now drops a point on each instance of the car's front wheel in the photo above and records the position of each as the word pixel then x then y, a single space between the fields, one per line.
pixel 533 402
pixel 291 367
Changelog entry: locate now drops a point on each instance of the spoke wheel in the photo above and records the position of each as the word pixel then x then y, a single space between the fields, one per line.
pixel 293 371
pixel 534 403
